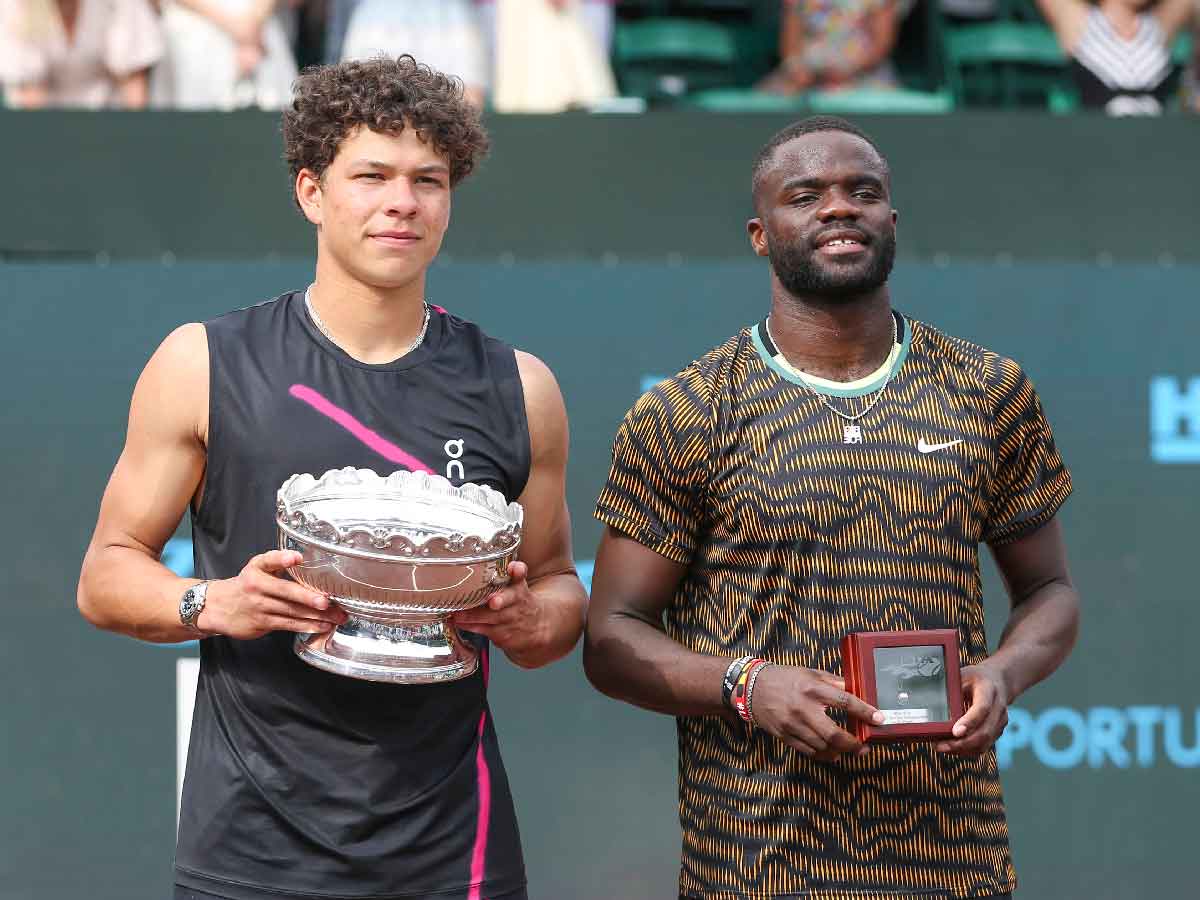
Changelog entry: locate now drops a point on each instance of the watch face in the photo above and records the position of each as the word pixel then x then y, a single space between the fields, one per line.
pixel 188 607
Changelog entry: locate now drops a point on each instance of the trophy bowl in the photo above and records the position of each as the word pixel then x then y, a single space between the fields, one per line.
pixel 399 554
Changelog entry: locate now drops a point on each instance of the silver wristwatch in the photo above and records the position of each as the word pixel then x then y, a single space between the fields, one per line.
pixel 191 604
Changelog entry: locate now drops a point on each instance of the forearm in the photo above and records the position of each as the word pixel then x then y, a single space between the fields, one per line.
pixel 28 96
pixel 134 90
pixel 1038 637
pixel 565 601
pixel 633 660
pixel 125 590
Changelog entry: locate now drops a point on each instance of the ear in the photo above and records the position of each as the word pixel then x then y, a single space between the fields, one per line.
pixel 309 195
pixel 758 236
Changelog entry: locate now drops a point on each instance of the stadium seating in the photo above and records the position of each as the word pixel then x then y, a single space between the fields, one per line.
pixel 1004 63
pixel 708 53
pixel 664 58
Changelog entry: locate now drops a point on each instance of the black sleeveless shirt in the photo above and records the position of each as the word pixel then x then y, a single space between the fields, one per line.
pixel 301 782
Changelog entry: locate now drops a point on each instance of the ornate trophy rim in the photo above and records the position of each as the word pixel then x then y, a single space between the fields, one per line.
pixel 393 543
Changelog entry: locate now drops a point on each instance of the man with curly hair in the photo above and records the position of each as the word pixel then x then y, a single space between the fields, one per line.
pixel 302 783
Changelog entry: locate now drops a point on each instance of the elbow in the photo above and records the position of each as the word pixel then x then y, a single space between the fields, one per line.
pixel 89 608
pixel 1073 623
pixel 596 665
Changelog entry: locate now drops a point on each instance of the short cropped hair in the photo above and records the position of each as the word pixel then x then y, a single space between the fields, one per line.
pixel 811 125
pixel 386 95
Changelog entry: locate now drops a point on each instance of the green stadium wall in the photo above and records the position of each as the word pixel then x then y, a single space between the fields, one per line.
pixel 609 261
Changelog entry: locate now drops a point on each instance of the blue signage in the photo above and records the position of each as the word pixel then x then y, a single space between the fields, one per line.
pixel 1174 420
pixel 1060 737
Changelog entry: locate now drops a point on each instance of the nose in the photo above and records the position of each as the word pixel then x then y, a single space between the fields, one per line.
pixel 402 199
pixel 837 204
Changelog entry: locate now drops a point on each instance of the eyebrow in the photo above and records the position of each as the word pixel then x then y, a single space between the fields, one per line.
pixel 812 182
pixel 388 167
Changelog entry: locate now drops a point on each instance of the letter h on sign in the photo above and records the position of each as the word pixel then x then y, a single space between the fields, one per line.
pixel 1174 420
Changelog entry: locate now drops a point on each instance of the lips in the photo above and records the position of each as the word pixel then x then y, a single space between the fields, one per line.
pixel 396 238
pixel 841 241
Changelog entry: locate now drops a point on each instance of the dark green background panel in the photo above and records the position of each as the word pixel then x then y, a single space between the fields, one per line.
pixel 978 185
pixel 88 741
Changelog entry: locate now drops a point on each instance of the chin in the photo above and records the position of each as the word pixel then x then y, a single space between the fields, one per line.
pixel 389 278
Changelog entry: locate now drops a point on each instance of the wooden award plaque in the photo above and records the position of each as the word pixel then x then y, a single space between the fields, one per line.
pixel 912 677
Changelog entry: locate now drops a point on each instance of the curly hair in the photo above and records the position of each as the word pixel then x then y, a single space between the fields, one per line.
pixel 386 95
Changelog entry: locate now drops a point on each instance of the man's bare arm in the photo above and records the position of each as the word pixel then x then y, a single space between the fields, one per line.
pixel 1044 622
pixel 539 616
pixel 628 655
pixel 1039 636
pixel 123 586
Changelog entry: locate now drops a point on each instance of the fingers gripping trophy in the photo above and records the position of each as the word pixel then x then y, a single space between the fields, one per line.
pixel 399 554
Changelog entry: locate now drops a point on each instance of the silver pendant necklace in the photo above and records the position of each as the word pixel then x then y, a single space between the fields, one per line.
pixel 316 320
pixel 852 432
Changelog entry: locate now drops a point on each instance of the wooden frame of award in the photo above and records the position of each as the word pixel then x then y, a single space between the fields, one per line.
pixel 912 677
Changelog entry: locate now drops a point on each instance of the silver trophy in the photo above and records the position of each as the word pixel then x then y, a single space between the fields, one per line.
pixel 399 555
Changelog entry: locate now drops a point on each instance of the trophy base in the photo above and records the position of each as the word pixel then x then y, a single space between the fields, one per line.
pixel 425 651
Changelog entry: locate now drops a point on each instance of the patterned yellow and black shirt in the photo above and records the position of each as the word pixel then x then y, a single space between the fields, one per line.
pixel 794 537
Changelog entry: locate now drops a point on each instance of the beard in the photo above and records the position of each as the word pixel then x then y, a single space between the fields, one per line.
pixel 802 272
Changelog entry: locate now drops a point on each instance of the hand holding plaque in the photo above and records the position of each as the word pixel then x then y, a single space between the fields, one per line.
pixel 912 677
pixel 793 704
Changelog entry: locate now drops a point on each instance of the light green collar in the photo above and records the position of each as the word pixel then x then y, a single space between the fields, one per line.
pixel 775 359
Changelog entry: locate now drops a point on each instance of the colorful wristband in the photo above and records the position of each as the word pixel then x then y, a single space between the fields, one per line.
pixel 732 674
pixel 758 670
pixel 740 690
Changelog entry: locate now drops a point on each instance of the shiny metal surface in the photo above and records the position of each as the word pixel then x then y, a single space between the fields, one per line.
pixel 399 555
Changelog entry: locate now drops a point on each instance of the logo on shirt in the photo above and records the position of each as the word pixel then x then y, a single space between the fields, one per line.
pixel 454 449
pixel 1174 420
pixel 933 448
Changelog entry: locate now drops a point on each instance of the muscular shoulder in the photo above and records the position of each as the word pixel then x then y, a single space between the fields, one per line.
pixel 544 408
pixel 171 395
pixel 182 357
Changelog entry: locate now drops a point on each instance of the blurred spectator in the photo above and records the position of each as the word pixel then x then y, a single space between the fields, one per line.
pixel 1191 96
pixel 597 16
pixel 1120 54
pixel 225 54
pixel 551 55
pixel 337 20
pixel 443 34
pixel 77 53
pixel 834 45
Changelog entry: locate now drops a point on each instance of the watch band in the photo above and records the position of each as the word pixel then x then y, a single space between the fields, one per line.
pixel 191 604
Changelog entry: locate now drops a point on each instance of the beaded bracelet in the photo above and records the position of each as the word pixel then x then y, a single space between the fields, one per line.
pixel 740 691
pixel 758 670
pixel 729 682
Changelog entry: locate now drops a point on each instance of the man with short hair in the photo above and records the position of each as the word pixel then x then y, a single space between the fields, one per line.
pixel 831 469
pixel 303 783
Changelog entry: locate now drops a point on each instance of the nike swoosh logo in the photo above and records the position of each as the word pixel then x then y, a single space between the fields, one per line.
pixel 932 448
